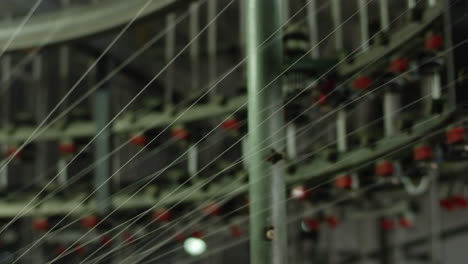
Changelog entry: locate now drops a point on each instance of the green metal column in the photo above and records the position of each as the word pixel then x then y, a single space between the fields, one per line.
pixel 268 243
pixel 102 115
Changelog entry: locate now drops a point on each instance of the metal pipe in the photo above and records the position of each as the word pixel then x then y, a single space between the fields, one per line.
pixel 362 240
pixel 102 115
pixel 192 160
pixel 431 84
pixel 245 152
pixel 285 11
pixel 431 3
pixel 291 144
pixel 411 4
pixel 341 128
pixel 212 43
pixel 313 28
pixel 336 16
pixel 364 22
pixel 449 57
pixel 268 240
pixel 195 47
pixel 391 106
pixel 384 15
pixel 331 247
pixel 169 55
pixel 434 213
pixel 5 77
pixel 242 26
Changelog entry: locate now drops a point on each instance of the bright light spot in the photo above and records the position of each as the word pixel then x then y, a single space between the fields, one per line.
pixel 194 246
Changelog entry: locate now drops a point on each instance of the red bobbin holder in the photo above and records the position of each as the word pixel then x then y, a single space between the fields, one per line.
pixel 385 169
pixel 344 182
pixel 435 42
pixel 162 215
pixel 231 124
pixel 456 135
pixel 399 65
pixel 90 221
pixel 362 83
pixel 422 153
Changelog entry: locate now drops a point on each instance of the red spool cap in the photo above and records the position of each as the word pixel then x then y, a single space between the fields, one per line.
pixel 179 237
pixel 456 135
pixel 180 134
pixel 362 83
pixel 212 209
pixel 139 140
pixel 300 193
pixel 422 153
pixel 80 249
pixel 90 221
pixel 399 65
pixel 60 249
pixel 106 240
pixel 128 237
pixel 67 148
pixel 41 224
pixel 197 234
pixel 236 231
pixel 387 224
pixel 332 221
pixel 460 201
pixel 14 152
pixel 231 124
pixel 406 223
pixel 312 224
pixel 162 215
pixel 447 204
pixel 385 169
pixel 344 182
pixel 434 42
pixel 323 98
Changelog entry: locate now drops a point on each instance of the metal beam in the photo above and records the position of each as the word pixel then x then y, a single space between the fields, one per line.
pixel 76 22
pixel 268 241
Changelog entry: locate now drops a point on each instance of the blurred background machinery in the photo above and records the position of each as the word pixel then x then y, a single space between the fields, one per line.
pixel 155 131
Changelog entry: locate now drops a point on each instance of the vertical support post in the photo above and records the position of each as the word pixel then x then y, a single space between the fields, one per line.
pixel 331 247
pixel 102 115
pixel 312 14
pixel 384 15
pixel 268 240
pixel 431 3
pixel 64 74
pixel 391 106
pixel 397 255
pixel 5 89
pixel 411 4
pixel 291 144
pixel 285 11
pixel 192 160
pixel 336 16
pixel 385 257
pixel 169 55
pixel 361 229
pixel 40 110
pixel 434 213
pixel 212 44
pixel 449 57
pixel 364 22
pixel 431 84
pixel 341 138
pixel 195 47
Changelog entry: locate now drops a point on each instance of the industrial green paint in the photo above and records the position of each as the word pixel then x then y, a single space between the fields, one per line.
pixel 266 180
